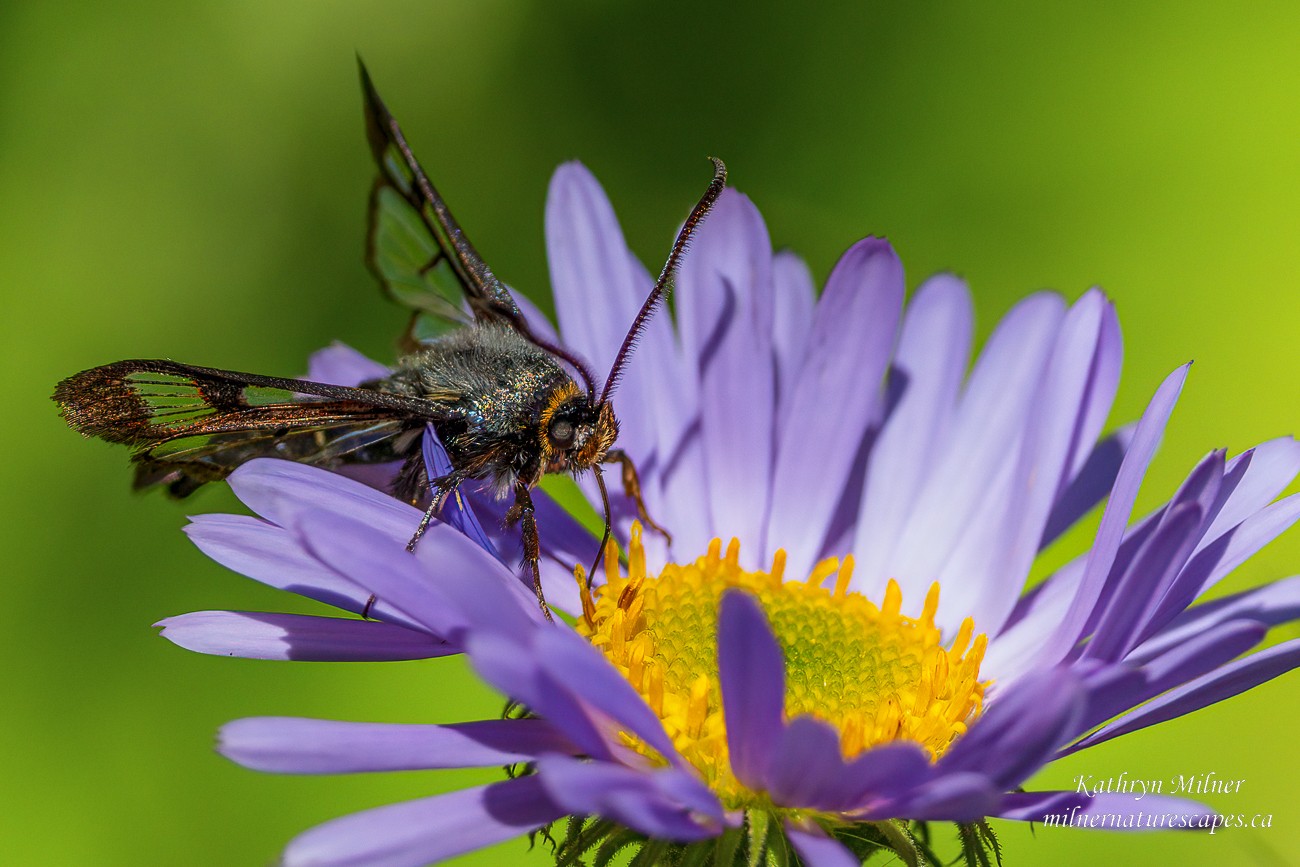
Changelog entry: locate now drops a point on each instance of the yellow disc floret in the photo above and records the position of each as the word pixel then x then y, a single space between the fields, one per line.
pixel 871 672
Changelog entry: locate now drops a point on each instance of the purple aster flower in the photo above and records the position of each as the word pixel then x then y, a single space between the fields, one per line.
pixel 860 657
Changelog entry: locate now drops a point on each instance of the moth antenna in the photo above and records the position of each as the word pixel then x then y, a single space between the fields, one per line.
pixel 604 539
pixel 663 286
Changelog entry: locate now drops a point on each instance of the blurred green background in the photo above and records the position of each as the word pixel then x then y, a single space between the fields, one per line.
pixel 190 183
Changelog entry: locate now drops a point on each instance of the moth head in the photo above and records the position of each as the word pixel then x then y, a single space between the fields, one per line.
pixel 575 434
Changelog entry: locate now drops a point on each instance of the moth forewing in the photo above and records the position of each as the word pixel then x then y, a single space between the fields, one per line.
pixel 189 425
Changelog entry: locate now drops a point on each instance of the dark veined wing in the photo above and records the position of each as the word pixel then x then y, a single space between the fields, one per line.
pixel 415 247
pixel 189 425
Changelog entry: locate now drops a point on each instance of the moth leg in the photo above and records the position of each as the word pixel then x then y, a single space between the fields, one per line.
pixel 412 480
pixel 409 482
pixel 632 487
pixel 522 511
pixel 443 487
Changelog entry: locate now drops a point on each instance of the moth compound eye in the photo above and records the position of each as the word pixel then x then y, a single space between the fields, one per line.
pixel 561 433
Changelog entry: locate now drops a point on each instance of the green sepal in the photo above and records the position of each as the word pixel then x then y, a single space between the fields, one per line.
pixel 978 843
pixel 760 841
pixel 757 826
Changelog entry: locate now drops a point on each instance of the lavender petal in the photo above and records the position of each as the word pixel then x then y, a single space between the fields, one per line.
pixel 1111 532
pixel 1108 689
pixel 456 511
pixel 340 364
pixel 1144 582
pixel 725 309
pixel 1270 605
pixel 638 798
pixel 565 543
pixel 988 422
pixel 447 584
pixel 836 394
pixel 1205 658
pixel 990 564
pixel 1270 467
pixel 293 745
pixel 751 671
pixel 282 491
pixel 570 659
pixel 808 771
pixel 1020 731
pixel 818 850
pixel 1037 806
pixel 598 292
pixel 1103 383
pixel 882 774
pixel 805 763
pixel 413 833
pixel 688 497
pixel 933 349
pixel 301 637
pixel 793 298
pixel 1089 486
pixel 957 796
pixel 511 665
pixel 273 556
pixel 1043 608
pixel 1212 562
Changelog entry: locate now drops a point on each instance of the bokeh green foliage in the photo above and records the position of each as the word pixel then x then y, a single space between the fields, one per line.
pixel 188 181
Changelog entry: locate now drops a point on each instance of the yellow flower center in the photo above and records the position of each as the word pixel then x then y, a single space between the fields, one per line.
pixel 871 672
